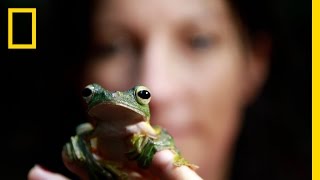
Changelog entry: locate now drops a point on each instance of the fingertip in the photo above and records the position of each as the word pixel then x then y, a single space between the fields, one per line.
pixel 34 172
pixel 39 173
pixel 162 160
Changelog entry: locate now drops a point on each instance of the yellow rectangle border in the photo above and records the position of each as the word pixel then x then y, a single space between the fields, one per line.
pixel 10 28
pixel 315 90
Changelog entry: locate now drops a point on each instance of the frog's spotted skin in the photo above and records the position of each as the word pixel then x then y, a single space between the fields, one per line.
pixel 121 133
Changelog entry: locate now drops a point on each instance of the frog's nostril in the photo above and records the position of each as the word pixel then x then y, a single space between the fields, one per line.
pixel 86 92
pixel 116 94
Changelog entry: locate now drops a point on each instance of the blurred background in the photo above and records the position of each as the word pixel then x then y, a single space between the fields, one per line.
pixel 40 104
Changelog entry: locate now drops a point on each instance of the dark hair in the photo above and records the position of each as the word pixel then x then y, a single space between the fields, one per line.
pixel 275 141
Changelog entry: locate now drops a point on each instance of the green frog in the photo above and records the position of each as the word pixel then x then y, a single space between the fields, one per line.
pixel 119 140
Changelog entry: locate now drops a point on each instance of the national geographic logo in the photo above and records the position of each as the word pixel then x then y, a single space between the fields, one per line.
pixel 22 28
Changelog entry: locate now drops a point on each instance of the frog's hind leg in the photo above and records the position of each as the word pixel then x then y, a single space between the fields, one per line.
pixel 77 153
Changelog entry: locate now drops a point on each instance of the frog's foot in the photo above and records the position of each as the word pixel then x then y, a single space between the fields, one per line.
pixel 73 152
pixel 70 161
pixel 142 151
pixel 178 160
pixel 84 128
pixel 78 158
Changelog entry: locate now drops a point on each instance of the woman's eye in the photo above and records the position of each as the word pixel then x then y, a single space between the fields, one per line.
pixel 108 49
pixel 201 42
pixel 118 46
pixel 103 50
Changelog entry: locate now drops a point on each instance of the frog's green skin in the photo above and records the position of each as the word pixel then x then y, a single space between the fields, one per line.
pixel 121 132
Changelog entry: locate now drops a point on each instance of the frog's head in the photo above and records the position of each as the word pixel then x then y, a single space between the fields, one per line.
pixel 131 105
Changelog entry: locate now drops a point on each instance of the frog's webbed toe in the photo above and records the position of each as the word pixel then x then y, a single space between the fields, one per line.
pixel 74 163
pixel 84 128
pixel 178 160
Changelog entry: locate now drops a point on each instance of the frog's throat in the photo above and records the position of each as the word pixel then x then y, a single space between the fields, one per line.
pixel 144 116
pixel 119 119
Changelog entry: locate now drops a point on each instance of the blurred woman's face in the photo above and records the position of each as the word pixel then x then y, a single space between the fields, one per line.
pixel 191 55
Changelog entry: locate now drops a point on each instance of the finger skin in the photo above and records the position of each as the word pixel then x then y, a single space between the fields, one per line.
pixel 162 166
pixel 38 173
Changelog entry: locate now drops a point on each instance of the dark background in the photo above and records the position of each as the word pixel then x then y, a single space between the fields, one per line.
pixel 40 104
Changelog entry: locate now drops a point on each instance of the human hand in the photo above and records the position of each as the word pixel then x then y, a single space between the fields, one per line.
pixel 161 167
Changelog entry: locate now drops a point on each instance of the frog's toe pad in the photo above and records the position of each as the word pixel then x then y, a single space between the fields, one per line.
pixel 83 128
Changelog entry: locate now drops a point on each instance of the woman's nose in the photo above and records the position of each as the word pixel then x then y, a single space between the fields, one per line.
pixel 156 70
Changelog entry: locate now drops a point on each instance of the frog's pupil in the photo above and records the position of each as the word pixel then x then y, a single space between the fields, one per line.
pixel 86 92
pixel 144 94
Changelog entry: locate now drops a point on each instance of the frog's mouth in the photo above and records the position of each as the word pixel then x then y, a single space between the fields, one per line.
pixel 117 113
pixel 119 120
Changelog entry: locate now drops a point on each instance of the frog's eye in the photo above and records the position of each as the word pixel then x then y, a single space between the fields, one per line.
pixel 143 95
pixel 87 93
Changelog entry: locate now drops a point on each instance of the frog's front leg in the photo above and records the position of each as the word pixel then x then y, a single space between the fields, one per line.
pixel 139 141
pixel 165 141
pixel 142 150
pixel 178 160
